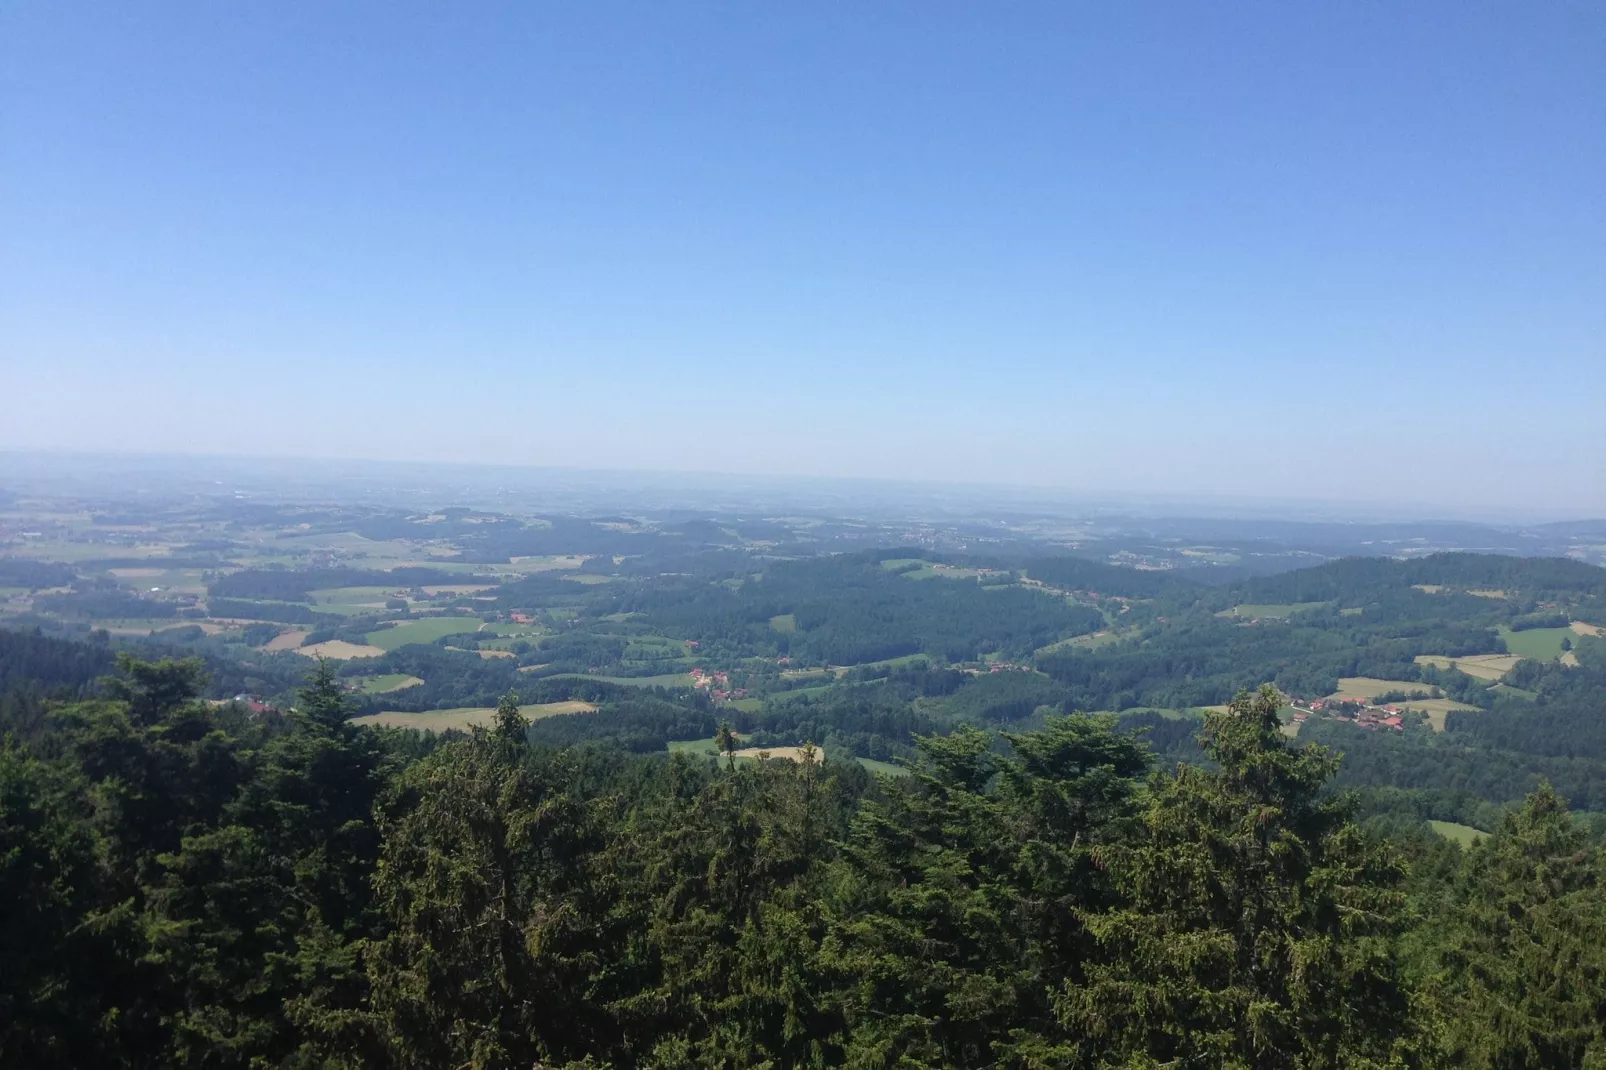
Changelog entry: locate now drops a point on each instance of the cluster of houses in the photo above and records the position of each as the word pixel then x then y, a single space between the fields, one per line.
pixel 1363 714
pixel 717 684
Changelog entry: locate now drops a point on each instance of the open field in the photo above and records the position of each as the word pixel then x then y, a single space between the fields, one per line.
pixel 1514 692
pixel 1271 612
pixel 945 572
pixel 467 716
pixel 286 640
pixel 1465 835
pixel 424 630
pixel 339 650
pixel 706 748
pixel 1428 588
pixel 784 623
pixel 549 562
pixel 794 754
pixel 1587 629
pixel 815 673
pixel 1542 644
pixel 1489 594
pixel 1481 666
pixel 673 679
pixel 1365 688
pixel 1087 642
pixel 385 683
pixel 1436 709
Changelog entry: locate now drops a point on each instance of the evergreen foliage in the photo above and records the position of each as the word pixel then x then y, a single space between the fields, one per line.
pixel 186 890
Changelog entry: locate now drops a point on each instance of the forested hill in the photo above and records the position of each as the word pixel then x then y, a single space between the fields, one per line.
pixel 188 888
pixel 1353 579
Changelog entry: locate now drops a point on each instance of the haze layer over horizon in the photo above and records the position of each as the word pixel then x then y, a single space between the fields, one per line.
pixel 1348 254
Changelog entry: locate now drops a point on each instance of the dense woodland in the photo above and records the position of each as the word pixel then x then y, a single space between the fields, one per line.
pixel 189 887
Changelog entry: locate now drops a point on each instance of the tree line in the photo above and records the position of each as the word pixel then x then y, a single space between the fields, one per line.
pixel 188 887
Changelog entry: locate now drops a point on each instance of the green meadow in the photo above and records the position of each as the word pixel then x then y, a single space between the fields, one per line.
pixel 423 630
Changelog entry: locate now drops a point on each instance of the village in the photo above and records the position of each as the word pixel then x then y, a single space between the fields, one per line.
pixel 1363 714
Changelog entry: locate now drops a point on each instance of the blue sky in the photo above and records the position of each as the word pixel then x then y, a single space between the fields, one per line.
pixel 1349 251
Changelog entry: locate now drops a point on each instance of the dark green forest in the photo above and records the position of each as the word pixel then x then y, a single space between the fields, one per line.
pixel 187 886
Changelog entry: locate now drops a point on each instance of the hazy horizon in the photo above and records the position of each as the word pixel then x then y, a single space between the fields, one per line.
pixel 1329 255
pixel 420 479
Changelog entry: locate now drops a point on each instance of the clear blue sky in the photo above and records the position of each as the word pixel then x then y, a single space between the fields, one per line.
pixel 1345 250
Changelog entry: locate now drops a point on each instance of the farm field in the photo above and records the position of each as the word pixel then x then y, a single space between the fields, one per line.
pixel 1543 644
pixel 286 640
pixel 1515 692
pixel 1481 666
pixel 339 650
pixel 385 683
pixel 1272 612
pixel 673 679
pixel 548 562
pixel 424 630
pixel 1437 709
pixel 468 716
pixel 1587 629
pixel 784 623
pixel 1366 688
pixel 1465 835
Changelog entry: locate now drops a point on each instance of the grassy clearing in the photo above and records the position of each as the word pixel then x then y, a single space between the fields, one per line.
pixel 1366 688
pixel 352 595
pixel 548 562
pixel 1587 629
pixel 385 683
pixel 1437 709
pixel 801 692
pixel 1087 642
pixel 672 679
pixel 746 705
pixel 1271 611
pixel 1465 835
pixel 707 748
pixel 425 630
pixel 339 650
pixel 785 623
pixel 946 572
pixel 1428 588
pixel 465 717
pixel 892 564
pixel 1488 593
pixel 287 640
pixel 1542 644
pixel 1514 692
pixel 1481 666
